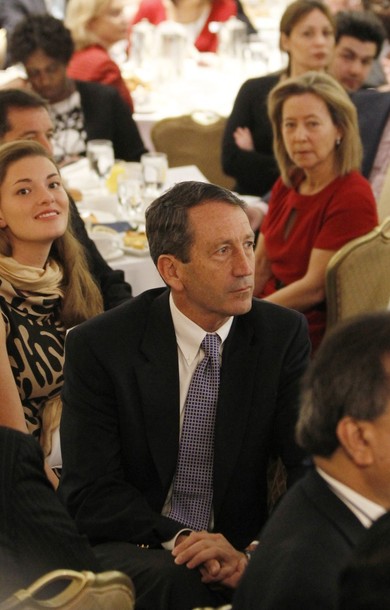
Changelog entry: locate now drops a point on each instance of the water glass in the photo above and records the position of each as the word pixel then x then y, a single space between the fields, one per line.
pixel 154 170
pixel 100 155
pixel 129 197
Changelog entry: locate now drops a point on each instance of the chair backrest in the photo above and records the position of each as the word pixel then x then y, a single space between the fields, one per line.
pixel 358 276
pixel 193 140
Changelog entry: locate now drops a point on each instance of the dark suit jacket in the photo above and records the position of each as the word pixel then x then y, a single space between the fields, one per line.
pixel 373 108
pixel 303 548
pixel 120 424
pixel 36 533
pixel 107 116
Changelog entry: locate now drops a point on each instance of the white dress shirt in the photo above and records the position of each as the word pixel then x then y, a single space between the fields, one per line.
pixel 365 510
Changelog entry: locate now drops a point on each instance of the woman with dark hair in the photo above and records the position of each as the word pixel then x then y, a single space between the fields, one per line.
pixel 307 34
pixel 80 110
pixel 45 288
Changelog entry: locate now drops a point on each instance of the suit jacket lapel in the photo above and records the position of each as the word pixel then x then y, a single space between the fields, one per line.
pixel 159 387
pixel 239 364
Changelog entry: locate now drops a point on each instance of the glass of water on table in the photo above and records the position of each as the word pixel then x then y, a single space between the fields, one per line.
pixel 100 154
pixel 154 171
pixel 129 198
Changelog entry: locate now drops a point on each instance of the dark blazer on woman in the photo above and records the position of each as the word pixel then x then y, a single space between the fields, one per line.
pixel 255 171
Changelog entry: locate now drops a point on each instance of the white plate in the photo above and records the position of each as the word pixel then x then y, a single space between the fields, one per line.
pixel 136 251
pixel 100 216
pixel 114 255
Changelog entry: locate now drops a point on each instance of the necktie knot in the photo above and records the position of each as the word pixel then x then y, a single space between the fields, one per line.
pixel 210 345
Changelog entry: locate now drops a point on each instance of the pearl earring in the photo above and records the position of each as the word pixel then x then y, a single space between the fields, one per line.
pixel 338 142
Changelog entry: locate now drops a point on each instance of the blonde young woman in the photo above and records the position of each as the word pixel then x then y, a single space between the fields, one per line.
pixel 45 288
pixel 319 203
pixel 95 26
pixel 307 35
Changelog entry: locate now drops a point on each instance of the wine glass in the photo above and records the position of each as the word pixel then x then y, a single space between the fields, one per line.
pixel 100 155
pixel 129 197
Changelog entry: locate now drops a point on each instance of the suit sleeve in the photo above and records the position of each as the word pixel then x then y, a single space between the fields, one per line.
pixel 41 535
pixel 104 502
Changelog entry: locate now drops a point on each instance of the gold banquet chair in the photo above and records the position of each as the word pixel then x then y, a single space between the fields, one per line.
pixel 85 590
pixel 358 276
pixel 193 139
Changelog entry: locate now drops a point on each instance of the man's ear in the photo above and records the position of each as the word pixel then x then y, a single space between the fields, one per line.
pixel 355 437
pixel 168 267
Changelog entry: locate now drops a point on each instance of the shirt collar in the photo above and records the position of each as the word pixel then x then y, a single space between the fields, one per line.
pixel 365 510
pixel 189 335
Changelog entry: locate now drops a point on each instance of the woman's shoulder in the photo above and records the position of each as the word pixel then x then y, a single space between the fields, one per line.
pixel 261 83
pixel 354 182
pixel 91 51
pixel 279 189
pixel 87 61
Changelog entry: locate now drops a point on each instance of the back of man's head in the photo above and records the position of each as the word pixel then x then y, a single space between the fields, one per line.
pixel 362 25
pixel 349 377
pixel 16 98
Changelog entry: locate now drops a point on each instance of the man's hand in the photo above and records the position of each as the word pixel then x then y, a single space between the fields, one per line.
pixel 218 561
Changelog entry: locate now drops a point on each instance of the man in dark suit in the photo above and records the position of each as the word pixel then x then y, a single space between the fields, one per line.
pixel 36 533
pixel 126 381
pixel 345 423
pixel 373 108
pixel 24 115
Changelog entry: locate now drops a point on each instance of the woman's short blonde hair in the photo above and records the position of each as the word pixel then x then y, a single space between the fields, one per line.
pixel 78 15
pixel 82 297
pixel 342 112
